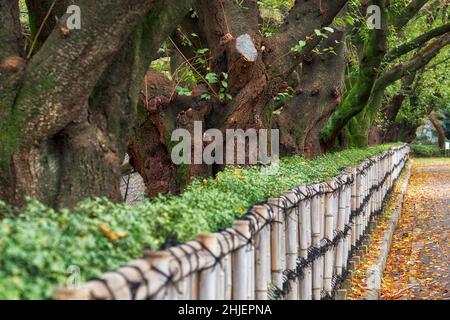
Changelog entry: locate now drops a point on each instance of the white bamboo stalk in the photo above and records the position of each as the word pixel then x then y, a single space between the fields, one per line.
pixel 340 227
pixel 241 262
pixel 221 285
pixel 263 263
pixel 347 239
pixel 292 219
pixel 228 277
pixel 330 214
pixel 277 243
pixel 304 243
pixel 354 206
pixel 315 226
pixel 208 279
pixel 360 199
pixel 251 272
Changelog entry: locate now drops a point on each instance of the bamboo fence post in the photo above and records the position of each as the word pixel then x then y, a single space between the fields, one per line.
pixel 324 187
pixel 208 278
pixel 263 263
pixel 305 242
pixel 390 165
pixel 330 214
pixel 340 228
pixel 347 238
pixel 241 261
pixel 359 201
pixel 251 272
pixel 374 183
pixel 159 260
pixel 276 243
pixel 228 277
pixel 367 186
pixel 380 176
pixel 221 285
pixel 292 219
pixel 315 227
pixel 354 206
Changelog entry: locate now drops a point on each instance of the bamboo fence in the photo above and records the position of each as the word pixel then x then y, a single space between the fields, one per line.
pixel 295 247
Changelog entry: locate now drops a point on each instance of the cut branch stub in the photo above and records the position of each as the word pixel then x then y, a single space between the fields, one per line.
pixel 246 47
pixel 242 58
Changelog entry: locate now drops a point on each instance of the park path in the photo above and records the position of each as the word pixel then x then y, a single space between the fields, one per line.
pixel 418 264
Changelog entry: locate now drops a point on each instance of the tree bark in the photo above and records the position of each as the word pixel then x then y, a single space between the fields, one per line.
pixel 439 129
pixel 65 135
pixel 316 97
pixel 356 99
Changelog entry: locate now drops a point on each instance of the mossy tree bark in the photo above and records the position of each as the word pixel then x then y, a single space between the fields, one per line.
pixel 355 100
pixel 364 99
pixel 65 113
pixel 439 129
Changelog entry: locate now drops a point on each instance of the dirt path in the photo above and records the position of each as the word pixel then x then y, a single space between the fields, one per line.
pixel 418 266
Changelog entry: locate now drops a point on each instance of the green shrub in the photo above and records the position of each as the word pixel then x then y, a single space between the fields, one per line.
pixel 38 244
pixel 426 151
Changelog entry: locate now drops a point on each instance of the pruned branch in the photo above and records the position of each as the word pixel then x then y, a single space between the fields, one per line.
pixel 417 42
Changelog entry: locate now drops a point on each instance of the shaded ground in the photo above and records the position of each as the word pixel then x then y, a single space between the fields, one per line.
pixel 418 265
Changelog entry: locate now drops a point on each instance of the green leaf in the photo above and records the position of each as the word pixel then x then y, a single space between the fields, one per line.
pixel 211 77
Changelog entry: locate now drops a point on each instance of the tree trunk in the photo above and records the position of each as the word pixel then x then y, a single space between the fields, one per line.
pixel 316 97
pixel 439 129
pixel 65 133
pixel 356 99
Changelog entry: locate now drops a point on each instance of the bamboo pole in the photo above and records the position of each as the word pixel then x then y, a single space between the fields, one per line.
pixel 241 262
pixel 330 214
pixel 251 289
pixel 263 263
pixel 340 227
pixel 277 246
pixel 228 277
pixel 221 279
pixel 354 206
pixel 315 227
pixel 347 239
pixel 292 219
pixel 360 199
pixel 304 244
pixel 209 277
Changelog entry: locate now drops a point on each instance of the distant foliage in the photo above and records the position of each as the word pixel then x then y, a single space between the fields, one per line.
pixel 426 151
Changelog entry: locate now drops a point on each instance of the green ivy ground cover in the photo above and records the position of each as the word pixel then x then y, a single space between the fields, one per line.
pixel 38 244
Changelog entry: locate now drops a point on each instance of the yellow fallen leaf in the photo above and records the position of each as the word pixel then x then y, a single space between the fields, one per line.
pixel 111 234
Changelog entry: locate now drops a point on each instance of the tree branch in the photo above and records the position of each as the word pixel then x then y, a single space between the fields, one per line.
pixel 417 42
pixel 356 99
pixel 400 20
pixel 38 10
pixel 421 59
pixel 302 20
pixel 11 31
